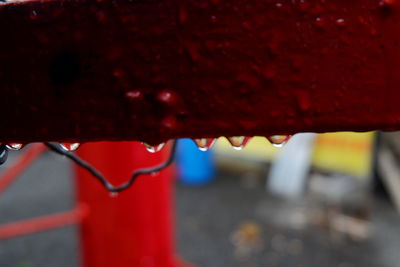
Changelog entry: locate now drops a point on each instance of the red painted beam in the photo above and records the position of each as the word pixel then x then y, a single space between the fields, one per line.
pixel 79 70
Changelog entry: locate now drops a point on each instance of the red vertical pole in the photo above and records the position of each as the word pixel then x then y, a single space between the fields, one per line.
pixel 133 228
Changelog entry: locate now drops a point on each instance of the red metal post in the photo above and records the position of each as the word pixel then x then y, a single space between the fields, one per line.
pixel 133 228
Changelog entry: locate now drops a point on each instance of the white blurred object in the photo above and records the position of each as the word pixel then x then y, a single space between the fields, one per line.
pixel 289 171
pixel 338 189
pixel 388 168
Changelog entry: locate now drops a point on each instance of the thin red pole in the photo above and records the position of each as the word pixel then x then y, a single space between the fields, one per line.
pixel 22 162
pixel 42 223
pixel 133 228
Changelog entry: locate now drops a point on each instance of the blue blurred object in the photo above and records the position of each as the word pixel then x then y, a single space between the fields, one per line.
pixel 195 167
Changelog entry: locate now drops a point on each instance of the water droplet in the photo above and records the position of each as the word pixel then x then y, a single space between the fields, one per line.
pixel 118 73
pixel 303 5
pixel 33 15
pixel 183 15
pixel 279 140
pixel 204 144
pixel 114 194
pixel 154 149
pixel 341 22
pixel 386 3
pixel 239 142
pixel 386 6
pixel 3 154
pixel 269 72
pixel 69 146
pixel 166 96
pixel 169 122
pixel 14 146
pixel 304 100
pixel 320 22
pixel 134 95
pixel 373 32
pixel 154 174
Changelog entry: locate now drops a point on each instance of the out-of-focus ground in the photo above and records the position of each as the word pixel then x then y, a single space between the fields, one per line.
pixel 231 222
pixel 45 188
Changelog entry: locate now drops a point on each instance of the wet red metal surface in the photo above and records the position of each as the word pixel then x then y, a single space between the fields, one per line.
pixel 135 227
pixel 156 70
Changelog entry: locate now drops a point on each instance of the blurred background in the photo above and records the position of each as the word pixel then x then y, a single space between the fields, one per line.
pixel 320 200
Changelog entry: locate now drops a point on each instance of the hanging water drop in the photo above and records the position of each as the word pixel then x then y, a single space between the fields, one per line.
pixel 114 194
pixel 3 154
pixel 239 142
pixel 204 144
pixel 69 146
pixel 386 3
pixel 154 149
pixel 154 174
pixel 279 140
pixel 167 96
pixel 182 15
pixel 134 95
pixel 340 22
pixel 33 15
pixel 14 146
pixel 320 22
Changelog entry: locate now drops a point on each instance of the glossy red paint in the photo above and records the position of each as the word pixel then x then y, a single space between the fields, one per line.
pixel 133 228
pixel 80 70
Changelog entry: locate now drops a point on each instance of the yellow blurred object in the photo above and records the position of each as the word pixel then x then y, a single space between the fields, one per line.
pixel 258 149
pixel 345 152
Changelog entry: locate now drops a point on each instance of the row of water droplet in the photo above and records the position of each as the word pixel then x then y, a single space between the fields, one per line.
pixel 237 142
pixel 4 148
pixel 66 146
pixel 204 144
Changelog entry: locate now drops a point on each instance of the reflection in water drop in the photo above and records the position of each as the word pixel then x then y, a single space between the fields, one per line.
pixel 340 22
pixel 33 15
pixel 279 140
pixel 114 194
pixel 134 95
pixel 154 149
pixel 320 22
pixel 239 142
pixel 166 96
pixel 69 146
pixel 386 3
pixel 204 144
pixel 14 146
pixel 154 174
